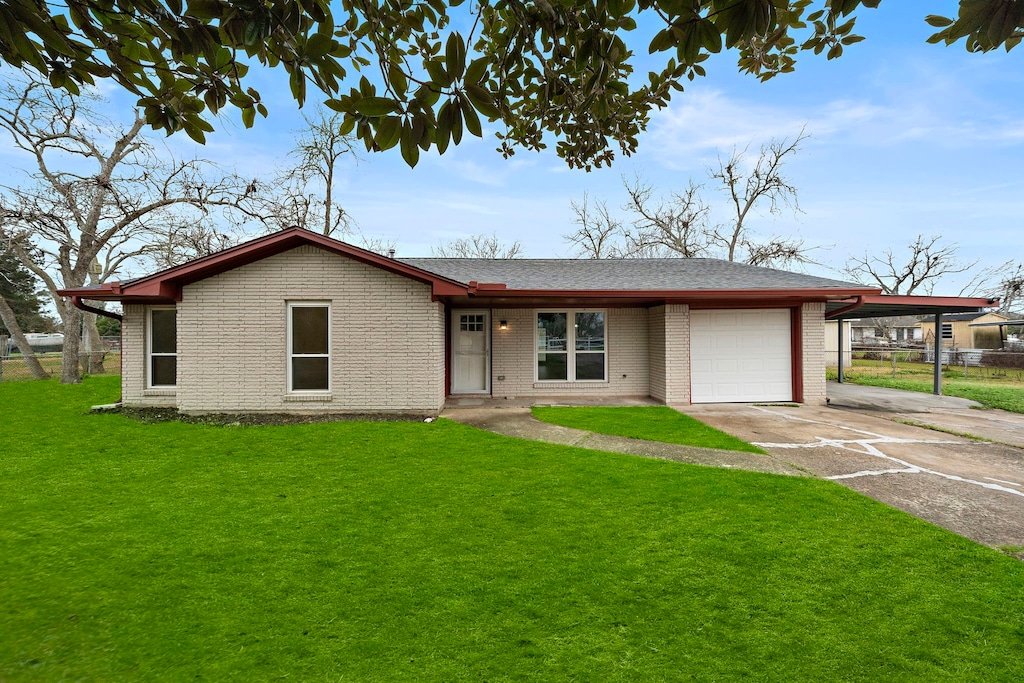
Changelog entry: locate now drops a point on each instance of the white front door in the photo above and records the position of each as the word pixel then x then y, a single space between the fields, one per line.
pixel 471 352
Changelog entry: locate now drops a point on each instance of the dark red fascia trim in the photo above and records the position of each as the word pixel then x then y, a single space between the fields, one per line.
pixel 681 296
pixel 913 300
pixel 165 286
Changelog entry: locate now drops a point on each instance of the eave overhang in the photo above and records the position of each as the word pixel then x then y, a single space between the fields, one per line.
pixel 893 305
pixel 492 295
pixel 165 286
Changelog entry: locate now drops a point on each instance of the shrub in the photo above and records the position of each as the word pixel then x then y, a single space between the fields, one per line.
pixel 1002 359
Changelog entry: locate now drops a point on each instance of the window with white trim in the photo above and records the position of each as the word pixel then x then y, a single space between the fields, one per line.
pixel 309 346
pixel 162 348
pixel 571 346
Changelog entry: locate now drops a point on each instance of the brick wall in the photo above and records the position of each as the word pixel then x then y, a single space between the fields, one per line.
pixel 813 315
pixel 677 354
pixel 133 362
pixel 513 356
pixel 656 350
pixel 387 338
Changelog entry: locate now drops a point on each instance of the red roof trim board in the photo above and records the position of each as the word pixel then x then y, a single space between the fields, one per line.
pixel 923 304
pixel 165 286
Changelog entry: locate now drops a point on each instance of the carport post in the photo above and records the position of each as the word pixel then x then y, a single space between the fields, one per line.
pixel 840 327
pixel 937 390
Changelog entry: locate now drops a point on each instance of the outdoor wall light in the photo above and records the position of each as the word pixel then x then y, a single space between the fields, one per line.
pixel 503 325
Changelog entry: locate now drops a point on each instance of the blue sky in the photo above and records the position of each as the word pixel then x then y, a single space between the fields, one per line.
pixel 906 138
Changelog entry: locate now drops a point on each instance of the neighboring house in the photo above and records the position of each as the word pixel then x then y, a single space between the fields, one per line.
pixel 899 330
pixel 958 333
pixel 832 342
pixel 296 321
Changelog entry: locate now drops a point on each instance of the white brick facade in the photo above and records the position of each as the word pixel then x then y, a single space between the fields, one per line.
pixel 813 332
pixel 388 351
pixel 669 344
pixel 513 356
pixel 387 339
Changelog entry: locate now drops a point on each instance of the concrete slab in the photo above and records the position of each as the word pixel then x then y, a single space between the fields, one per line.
pixel 857 397
pixel 946 413
pixel 971 487
pixel 484 401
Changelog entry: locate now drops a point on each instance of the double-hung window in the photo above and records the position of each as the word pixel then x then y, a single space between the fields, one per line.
pixel 309 346
pixel 162 347
pixel 571 346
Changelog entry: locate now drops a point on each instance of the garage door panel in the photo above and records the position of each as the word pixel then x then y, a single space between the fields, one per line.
pixel 740 356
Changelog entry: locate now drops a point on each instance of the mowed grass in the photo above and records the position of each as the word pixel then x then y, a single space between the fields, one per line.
pixel 653 423
pixel 987 386
pixel 435 552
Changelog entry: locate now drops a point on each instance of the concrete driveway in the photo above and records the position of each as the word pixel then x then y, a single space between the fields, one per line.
pixel 971 487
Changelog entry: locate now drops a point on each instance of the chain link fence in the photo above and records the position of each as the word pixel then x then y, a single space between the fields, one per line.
pixel 914 362
pixel 13 368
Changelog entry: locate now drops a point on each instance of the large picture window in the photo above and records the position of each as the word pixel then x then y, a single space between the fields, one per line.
pixel 571 346
pixel 309 344
pixel 162 347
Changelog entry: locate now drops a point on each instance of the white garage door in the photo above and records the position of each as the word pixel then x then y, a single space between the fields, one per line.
pixel 740 356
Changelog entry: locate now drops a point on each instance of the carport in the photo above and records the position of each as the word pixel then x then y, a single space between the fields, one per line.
pixel 892 305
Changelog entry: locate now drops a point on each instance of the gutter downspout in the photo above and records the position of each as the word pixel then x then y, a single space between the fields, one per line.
pixel 846 309
pixel 81 305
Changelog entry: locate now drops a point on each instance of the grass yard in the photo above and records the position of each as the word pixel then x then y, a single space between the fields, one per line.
pixel 993 388
pixel 653 423
pixel 14 369
pixel 435 552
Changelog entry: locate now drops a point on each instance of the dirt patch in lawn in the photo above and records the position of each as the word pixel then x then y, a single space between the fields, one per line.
pixel 153 415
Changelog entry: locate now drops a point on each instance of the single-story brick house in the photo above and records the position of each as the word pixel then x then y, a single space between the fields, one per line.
pixel 295 321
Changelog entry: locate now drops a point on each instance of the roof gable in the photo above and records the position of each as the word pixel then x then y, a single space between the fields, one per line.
pixel 166 285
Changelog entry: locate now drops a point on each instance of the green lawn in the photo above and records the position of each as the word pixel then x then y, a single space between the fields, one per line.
pixel 653 423
pixel 435 552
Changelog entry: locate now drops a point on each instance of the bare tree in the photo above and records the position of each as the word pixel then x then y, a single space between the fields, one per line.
pixel 10 322
pixel 18 291
pixel 97 195
pixel 1004 282
pixel 478 246
pixel 1010 290
pixel 376 243
pixel 751 187
pixel 681 225
pixel 175 244
pixel 598 230
pixel 304 194
pixel 918 270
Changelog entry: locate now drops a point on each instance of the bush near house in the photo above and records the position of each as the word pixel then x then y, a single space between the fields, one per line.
pixel 436 552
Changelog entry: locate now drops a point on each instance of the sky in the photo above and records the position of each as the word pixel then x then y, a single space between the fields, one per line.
pixel 905 138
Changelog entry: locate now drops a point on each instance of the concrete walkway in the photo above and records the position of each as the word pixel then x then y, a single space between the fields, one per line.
pixel 947 413
pixel 519 422
pixel 858 397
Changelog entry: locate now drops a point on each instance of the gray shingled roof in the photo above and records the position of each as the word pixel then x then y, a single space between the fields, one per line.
pixel 621 274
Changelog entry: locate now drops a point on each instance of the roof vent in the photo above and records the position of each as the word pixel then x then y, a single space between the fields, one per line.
pixel 391 253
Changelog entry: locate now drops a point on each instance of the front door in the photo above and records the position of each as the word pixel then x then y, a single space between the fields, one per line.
pixel 471 352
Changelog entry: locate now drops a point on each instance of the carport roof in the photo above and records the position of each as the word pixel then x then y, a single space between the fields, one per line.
pixel 890 305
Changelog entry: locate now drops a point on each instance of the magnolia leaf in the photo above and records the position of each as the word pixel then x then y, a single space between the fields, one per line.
pixel 375 106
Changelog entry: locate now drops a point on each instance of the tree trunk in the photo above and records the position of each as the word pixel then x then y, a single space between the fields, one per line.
pixel 95 354
pixel 72 318
pixel 11 323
